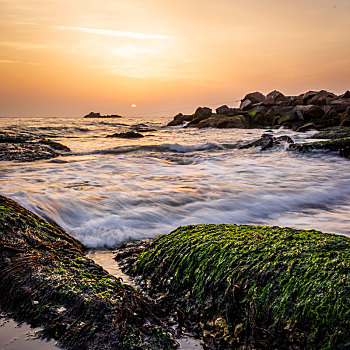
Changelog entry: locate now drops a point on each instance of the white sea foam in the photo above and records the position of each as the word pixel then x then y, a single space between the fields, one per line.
pixel 114 190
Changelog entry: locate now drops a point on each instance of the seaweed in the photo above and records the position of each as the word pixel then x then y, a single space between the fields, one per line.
pixel 46 280
pixel 253 286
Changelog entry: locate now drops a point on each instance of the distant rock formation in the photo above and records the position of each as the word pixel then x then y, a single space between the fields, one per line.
pixel 311 110
pixel 98 115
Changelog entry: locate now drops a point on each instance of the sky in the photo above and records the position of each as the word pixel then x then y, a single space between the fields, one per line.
pixel 67 58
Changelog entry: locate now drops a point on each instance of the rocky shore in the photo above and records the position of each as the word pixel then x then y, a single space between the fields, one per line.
pixel 27 147
pixel 46 280
pixel 310 110
pixel 234 287
pixel 249 287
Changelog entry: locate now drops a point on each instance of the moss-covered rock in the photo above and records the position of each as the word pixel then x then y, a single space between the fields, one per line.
pixel 255 287
pixel 46 280
pixel 341 146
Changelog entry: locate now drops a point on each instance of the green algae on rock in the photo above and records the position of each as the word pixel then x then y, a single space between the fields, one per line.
pixel 46 280
pixel 253 287
pixel 341 146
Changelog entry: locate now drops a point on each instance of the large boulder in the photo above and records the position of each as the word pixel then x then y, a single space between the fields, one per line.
pixel 225 110
pixel 341 104
pixel 275 98
pixel 310 112
pixel 202 113
pixel 179 119
pixel 321 98
pixel 251 99
pixel 305 98
pixel 223 122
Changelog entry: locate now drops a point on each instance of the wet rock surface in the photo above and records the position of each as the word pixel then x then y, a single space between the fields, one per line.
pixel 268 141
pixel 249 287
pixel 28 147
pixel 46 280
pixel 311 110
pixel 127 135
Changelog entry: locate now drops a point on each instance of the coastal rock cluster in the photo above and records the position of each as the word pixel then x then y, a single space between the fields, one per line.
pixel 310 110
pixel 98 115
pixel 27 147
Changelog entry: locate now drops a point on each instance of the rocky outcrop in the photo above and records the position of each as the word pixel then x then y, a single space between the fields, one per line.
pixel 341 146
pixel 47 281
pixel 268 141
pixel 98 115
pixel 127 135
pixel 26 147
pixel 313 109
pixel 250 287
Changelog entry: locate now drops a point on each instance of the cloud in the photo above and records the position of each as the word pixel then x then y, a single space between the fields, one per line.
pixel 117 33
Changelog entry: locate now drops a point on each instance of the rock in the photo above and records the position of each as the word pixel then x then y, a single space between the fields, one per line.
pixel 268 141
pixel 345 118
pixel 179 119
pixel 341 104
pixel 307 97
pixel 333 133
pixel 307 127
pixel 275 98
pixel 341 146
pixel 202 113
pixel 98 115
pixel 222 121
pixel 254 97
pixel 47 280
pixel 141 128
pixel 127 135
pixel 246 105
pixel 209 265
pixel 222 110
pixel 28 147
pixel 345 95
pixel 310 112
pixel 321 98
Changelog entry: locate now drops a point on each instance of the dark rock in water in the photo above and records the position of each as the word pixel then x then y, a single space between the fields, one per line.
pixel 333 133
pixel 222 110
pixel 268 141
pixel 251 287
pixel 310 112
pixel 28 147
pixel 202 113
pixel 127 135
pixel 341 146
pixel 47 281
pixel 141 128
pixel 98 115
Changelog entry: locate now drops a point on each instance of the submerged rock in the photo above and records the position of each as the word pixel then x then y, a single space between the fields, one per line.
pixel 251 287
pixel 28 147
pixel 333 133
pixel 127 135
pixel 46 280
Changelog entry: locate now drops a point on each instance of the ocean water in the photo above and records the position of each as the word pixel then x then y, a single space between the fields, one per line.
pixel 112 190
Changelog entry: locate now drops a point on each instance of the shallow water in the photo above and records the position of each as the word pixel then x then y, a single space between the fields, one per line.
pixel 113 190
pixel 17 337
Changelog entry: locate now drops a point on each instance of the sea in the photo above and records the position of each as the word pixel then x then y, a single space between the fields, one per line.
pixel 113 190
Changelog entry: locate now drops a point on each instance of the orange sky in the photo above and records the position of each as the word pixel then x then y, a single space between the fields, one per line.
pixel 67 58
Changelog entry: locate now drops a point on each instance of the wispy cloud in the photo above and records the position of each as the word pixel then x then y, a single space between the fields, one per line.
pixel 117 33
pixel 8 61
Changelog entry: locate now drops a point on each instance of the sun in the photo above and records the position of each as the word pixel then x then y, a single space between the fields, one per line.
pixel 133 106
